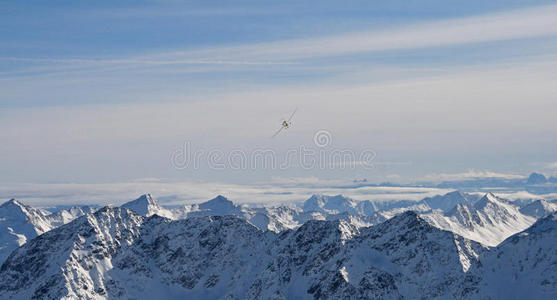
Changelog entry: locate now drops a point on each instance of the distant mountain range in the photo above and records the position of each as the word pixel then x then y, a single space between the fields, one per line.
pixel 456 245
pixel 536 183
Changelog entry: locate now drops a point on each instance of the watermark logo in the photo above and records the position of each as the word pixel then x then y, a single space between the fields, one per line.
pixel 321 155
pixel 322 138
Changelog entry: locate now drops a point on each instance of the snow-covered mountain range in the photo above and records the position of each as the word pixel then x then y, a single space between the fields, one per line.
pixel 489 220
pixel 331 247
pixel 20 223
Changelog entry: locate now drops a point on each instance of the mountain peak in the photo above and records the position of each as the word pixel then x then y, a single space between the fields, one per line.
pixel 145 205
pixel 329 204
pixel 19 223
pixel 220 199
pixel 407 219
pixel 408 222
pixel 448 201
pixel 14 207
pixel 490 195
pixel 455 194
pixel 409 215
pixel 544 224
pixel 219 205
pixel 324 231
pixel 539 208
pixel 147 197
pixel 459 209
pixel 489 221
pixel 12 202
pixel 487 199
pixel 337 197
pixel 110 209
pixel 536 178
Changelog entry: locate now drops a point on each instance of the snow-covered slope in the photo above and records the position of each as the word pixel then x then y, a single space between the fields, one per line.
pixel 265 218
pixel 402 257
pixel 65 216
pixel 218 206
pixel 115 253
pixel 277 219
pixel 200 257
pixel 318 207
pixel 72 260
pixel 418 207
pixel 449 201
pixel 357 220
pixel 147 206
pixel 489 221
pixel 539 208
pixel 340 204
pixel 330 204
pixel 18 224
pixel 281 218
pixel 523 266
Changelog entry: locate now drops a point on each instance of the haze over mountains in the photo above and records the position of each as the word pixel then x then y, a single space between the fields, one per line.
pixel 332 246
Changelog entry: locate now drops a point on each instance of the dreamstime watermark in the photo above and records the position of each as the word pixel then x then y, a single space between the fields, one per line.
pixel 322 138
pixel 322 155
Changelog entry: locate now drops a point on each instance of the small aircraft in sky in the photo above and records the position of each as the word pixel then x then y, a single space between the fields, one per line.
pixel 285 123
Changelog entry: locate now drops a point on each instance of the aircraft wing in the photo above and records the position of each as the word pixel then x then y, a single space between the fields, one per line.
pixel 292 115
pixel 277 132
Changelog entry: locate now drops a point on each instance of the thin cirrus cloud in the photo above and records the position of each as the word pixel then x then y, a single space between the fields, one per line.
pixel 89 62
pixel 470 175
pixel 551 165
pixel 533 22
pixel 519 24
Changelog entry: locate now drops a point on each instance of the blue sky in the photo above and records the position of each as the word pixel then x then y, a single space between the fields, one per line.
pixel 105 91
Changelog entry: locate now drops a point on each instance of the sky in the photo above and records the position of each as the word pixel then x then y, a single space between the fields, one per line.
pixel 116 91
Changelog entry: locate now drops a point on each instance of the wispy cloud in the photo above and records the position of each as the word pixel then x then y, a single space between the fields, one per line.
pixel 524 23
pixel 173 11
pixel 469 175
pixel 551 165
pixel 524 195
pixel 510 25
pixel 100 62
